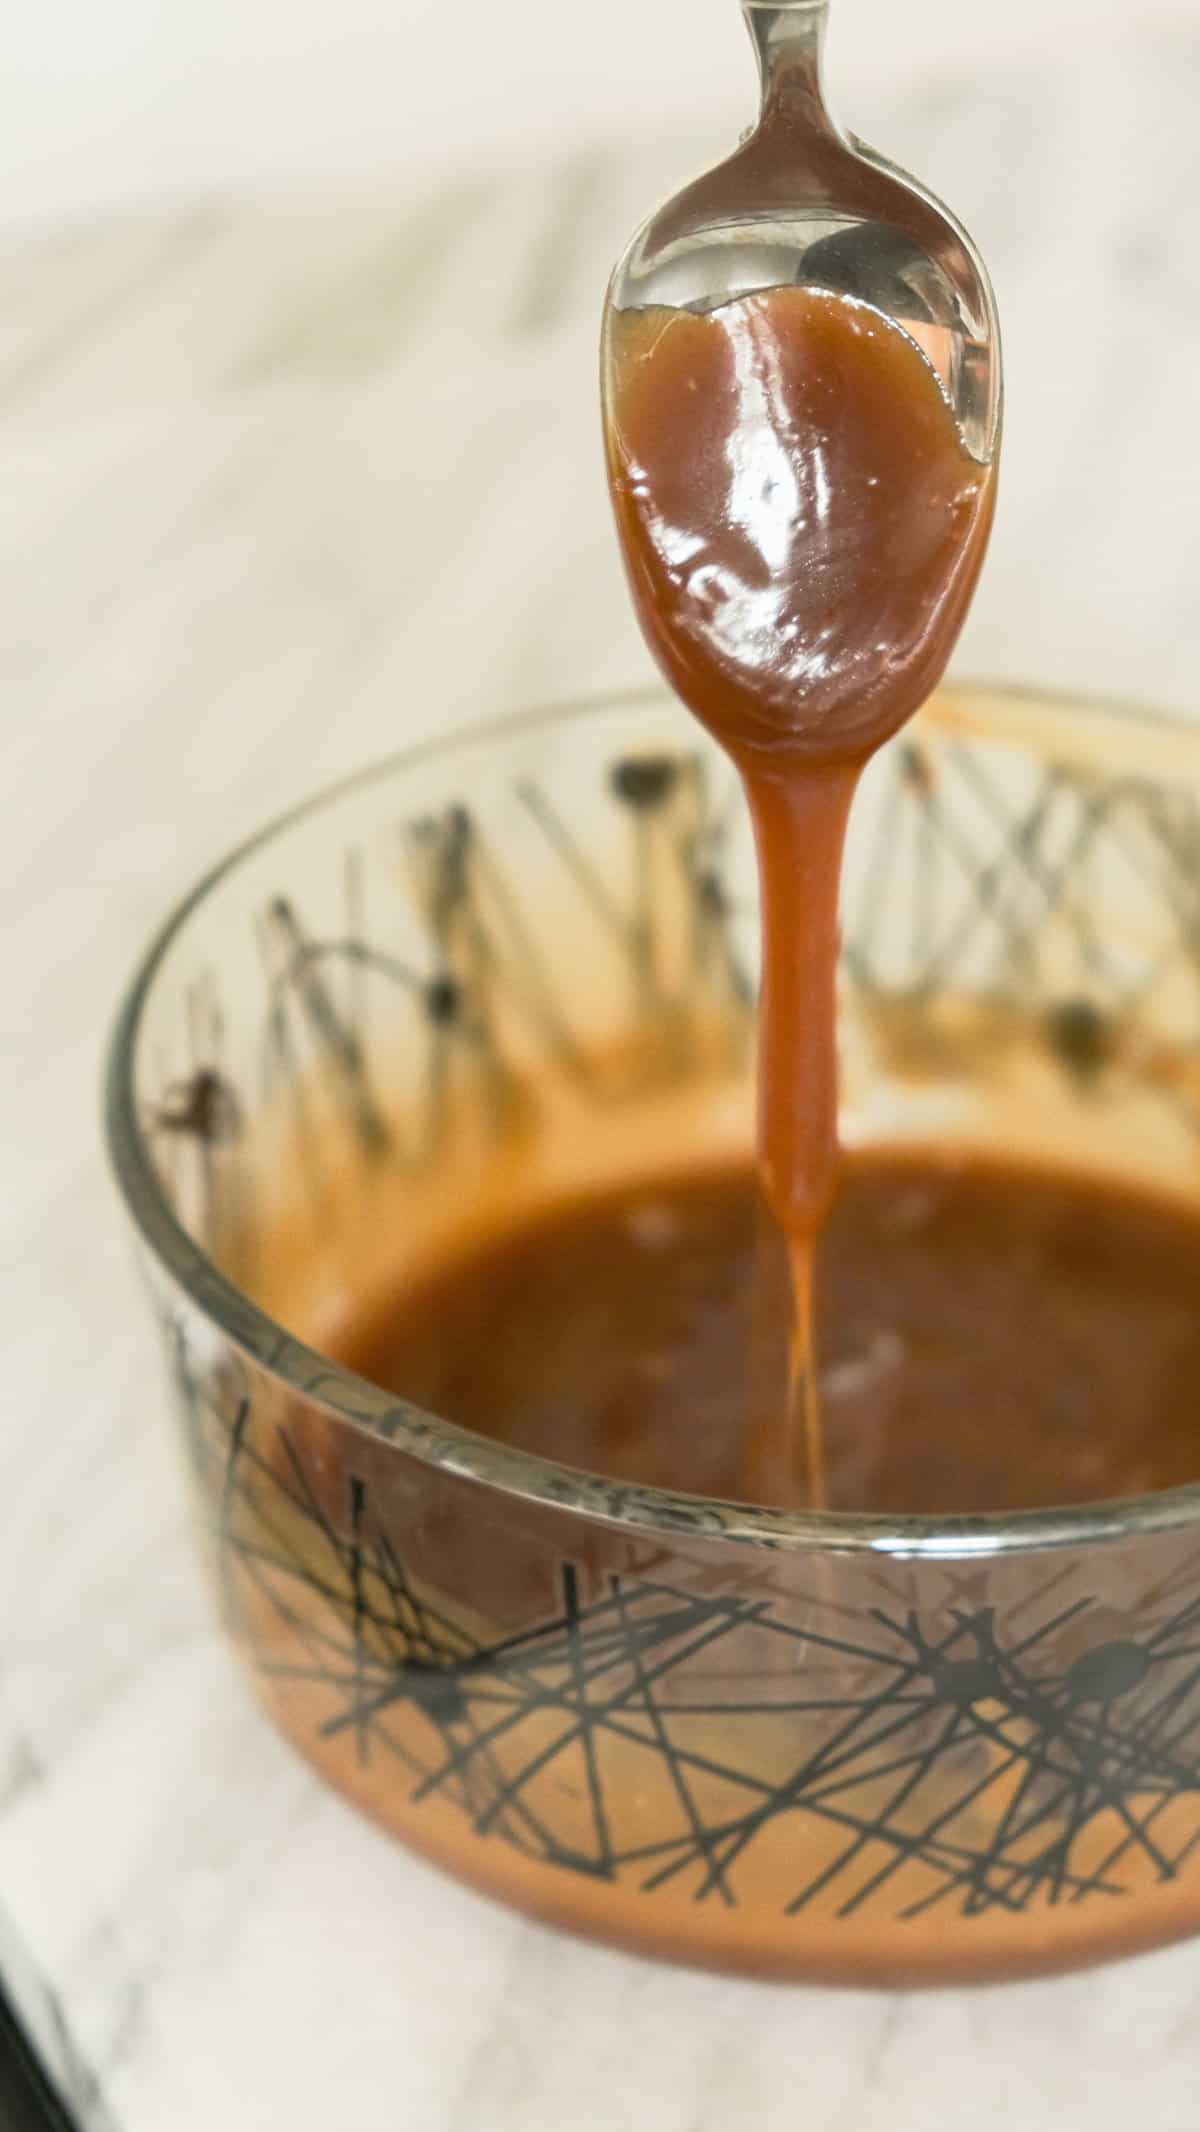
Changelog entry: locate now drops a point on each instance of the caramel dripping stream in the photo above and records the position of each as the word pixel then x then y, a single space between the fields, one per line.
pixel 800 813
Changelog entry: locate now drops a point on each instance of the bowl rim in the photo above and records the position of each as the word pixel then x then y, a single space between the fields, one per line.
pixel 1126 732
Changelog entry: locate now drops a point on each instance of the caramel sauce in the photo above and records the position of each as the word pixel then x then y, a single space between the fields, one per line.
pixel 612 1334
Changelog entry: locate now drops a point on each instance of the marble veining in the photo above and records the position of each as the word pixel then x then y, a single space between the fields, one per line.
pixel 285 487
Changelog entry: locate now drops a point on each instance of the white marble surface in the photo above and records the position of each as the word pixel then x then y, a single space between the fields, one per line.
pixel 105 103
pixel 279 490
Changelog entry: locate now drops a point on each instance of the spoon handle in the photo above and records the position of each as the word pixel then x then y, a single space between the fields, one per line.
pixel 788 36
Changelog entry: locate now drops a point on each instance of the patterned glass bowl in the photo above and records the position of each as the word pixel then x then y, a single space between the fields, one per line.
pixel 830 1747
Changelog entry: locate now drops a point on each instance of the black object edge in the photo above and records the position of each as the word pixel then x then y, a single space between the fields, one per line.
pixel 29 2101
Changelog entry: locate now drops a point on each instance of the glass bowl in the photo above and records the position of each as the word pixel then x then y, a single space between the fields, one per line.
pixel 843 1748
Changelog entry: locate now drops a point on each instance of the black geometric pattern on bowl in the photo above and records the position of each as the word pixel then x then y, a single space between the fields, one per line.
pixel 996 858
pixel 968 1766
